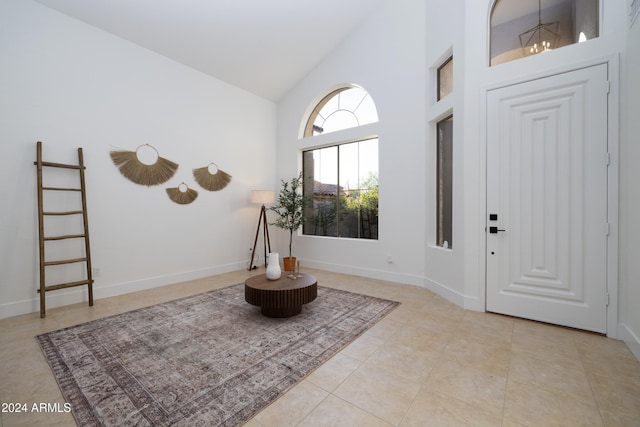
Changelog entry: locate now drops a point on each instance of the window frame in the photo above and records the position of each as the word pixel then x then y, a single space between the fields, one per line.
pixel 310 126
pixel 589 22
pixel 339 194
pixel 446 62
pixel 441 234
pixel 362 132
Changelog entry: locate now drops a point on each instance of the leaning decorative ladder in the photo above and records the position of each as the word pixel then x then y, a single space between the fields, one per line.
pixel 43 239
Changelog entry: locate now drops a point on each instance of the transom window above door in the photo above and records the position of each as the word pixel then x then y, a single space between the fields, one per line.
pixel 521 28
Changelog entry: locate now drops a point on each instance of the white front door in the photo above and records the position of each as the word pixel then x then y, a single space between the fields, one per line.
pixel 547 199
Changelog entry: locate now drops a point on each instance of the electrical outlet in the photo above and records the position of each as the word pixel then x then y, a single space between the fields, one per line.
pixel 96 271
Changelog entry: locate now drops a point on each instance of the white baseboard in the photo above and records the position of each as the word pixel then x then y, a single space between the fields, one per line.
pixel 445 292
pixel 632 341
pixel 470 303
pixel 407 279
pixel 77 295
pixel 474 303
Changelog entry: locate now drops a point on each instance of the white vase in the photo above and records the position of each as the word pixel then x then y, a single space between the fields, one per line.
pixel 273 266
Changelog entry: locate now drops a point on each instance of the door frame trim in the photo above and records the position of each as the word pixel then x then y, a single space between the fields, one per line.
pixel 613 136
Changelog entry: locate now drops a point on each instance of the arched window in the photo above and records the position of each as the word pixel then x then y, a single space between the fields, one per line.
pixel 341 177
pixel 343 108
pixel 521 28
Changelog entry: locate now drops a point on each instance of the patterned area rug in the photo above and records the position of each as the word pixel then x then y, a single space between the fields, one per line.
pixel 210 359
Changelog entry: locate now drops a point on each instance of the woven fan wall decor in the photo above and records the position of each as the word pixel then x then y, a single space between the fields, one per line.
pixel 182 194
pixel 130 166
pixel 211 177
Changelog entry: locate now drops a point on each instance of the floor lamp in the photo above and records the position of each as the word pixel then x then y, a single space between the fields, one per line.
pixel 262 197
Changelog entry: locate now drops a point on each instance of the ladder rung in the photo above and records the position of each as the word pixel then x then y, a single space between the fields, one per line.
pixel 58 165
pixel 62 213
pixel 61 189
pixel 64 261
pixel 66 236
pixel 67 285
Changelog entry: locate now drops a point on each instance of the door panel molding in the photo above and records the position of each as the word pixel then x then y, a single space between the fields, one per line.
pixel 538 270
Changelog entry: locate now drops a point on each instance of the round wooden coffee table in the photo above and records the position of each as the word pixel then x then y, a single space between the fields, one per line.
pixel 280 298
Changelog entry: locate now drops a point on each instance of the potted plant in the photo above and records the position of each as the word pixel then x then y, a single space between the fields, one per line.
pixel 290 213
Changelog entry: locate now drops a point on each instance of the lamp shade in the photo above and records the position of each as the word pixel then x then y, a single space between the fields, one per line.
pixel 263 196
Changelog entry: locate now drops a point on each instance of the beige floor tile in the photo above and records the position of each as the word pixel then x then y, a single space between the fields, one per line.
pixel 26 377
pixel 541 330
pixel 612 419
pixel 293 406
pixel 435 322
pixel 527 405
pixel 421 339
pixel 557 348
pixel 379 392
pixel 79 313
pixel 550 376
pixel 405 362
pixel 487 355
pixel 335 412
pixel 617 400
pixel 333 372
pixel 492 321
pixel 26 325
pixel 469 383
pixel 485 328
pixel 32 419
pixel 609 358
pixel 363 347
pixel 386 328
pixel 440 306
pixel 434 410
pixel 403 314
pixel 428 362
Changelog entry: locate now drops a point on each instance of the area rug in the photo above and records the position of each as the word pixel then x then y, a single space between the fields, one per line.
pixel 210 359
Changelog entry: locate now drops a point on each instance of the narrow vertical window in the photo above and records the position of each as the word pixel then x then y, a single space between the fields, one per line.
pixel 444 183
pixel 445 78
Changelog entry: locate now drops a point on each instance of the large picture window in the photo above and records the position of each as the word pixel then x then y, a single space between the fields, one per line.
pixel 342 182
pixel 341 177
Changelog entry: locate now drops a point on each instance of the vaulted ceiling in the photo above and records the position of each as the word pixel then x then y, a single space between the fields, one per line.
pixel 262 46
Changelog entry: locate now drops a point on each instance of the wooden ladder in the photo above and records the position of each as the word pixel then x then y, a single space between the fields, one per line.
pixel 43 239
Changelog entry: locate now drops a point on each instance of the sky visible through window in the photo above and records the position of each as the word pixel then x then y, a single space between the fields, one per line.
pixel 347 108
pixel 358 160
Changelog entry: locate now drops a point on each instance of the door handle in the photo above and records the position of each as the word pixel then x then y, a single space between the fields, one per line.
pixel 494 230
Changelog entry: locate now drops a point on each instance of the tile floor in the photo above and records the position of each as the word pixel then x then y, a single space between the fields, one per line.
pixel 428 363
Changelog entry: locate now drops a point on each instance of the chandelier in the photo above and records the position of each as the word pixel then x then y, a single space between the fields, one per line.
pixel 541 38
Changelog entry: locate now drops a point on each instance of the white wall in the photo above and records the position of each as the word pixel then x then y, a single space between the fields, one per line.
pixel 386 56
pixel 71 85
pixel 630 196
pixel 445 37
